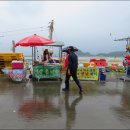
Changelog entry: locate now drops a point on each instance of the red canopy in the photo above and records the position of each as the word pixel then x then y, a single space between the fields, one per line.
pixel 33 40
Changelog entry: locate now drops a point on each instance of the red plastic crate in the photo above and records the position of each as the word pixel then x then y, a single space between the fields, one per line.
pixel 17 65
pixel 99 62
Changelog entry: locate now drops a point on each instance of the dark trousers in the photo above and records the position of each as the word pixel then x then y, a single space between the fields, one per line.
pixel 74 76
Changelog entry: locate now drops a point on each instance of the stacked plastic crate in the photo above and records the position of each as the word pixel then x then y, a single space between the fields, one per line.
pixel 7 58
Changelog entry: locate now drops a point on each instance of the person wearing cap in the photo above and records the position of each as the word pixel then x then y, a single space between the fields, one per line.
pixel 72 69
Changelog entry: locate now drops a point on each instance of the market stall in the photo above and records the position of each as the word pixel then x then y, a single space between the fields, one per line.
pixel 16 72
pixel 43 70
pixel 49 70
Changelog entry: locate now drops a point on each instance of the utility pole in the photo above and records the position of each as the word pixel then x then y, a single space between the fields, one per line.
pixel 51 29
pixel 13 46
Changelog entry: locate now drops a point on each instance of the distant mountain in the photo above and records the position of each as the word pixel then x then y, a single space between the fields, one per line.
pixel 110 54
pixel 80 53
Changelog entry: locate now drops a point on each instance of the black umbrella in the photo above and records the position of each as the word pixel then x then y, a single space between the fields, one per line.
pixel 66 48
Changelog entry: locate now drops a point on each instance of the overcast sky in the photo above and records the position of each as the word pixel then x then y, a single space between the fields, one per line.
pixel 91 26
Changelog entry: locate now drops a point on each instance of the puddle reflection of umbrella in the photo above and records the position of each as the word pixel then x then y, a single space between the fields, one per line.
pixel 32 41
pixel 31 108
pixel 37 109
pixel 66 48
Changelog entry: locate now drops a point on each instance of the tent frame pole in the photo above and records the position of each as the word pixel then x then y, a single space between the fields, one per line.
pixel 32 55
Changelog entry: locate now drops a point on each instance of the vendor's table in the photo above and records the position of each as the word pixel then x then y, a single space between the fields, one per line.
pixel 47 72
pixel 15 74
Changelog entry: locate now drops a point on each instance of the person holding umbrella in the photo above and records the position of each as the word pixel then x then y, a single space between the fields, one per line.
pixel 66 49
pixel 72 69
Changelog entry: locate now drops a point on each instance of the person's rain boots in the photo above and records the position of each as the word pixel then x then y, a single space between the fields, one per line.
pixel 80 90
pixel 65 89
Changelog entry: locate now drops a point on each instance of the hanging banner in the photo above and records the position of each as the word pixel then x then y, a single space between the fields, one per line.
pixel 85 73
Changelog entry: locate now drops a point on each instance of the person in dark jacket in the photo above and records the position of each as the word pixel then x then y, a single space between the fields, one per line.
pixel 72 70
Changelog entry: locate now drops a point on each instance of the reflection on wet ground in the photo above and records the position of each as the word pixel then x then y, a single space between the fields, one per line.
pixel 42 105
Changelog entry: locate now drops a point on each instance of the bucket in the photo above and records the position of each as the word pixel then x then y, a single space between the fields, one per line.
pixel 86 64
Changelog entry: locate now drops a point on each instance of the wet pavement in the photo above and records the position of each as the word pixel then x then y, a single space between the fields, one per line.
pixel 42 105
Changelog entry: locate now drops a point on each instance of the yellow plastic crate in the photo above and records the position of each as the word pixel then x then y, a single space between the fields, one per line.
pixel 7 64
pixel 11 56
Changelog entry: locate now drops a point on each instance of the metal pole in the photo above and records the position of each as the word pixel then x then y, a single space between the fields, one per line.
pixel 61 53
pixel 32 55
pixel 13 46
